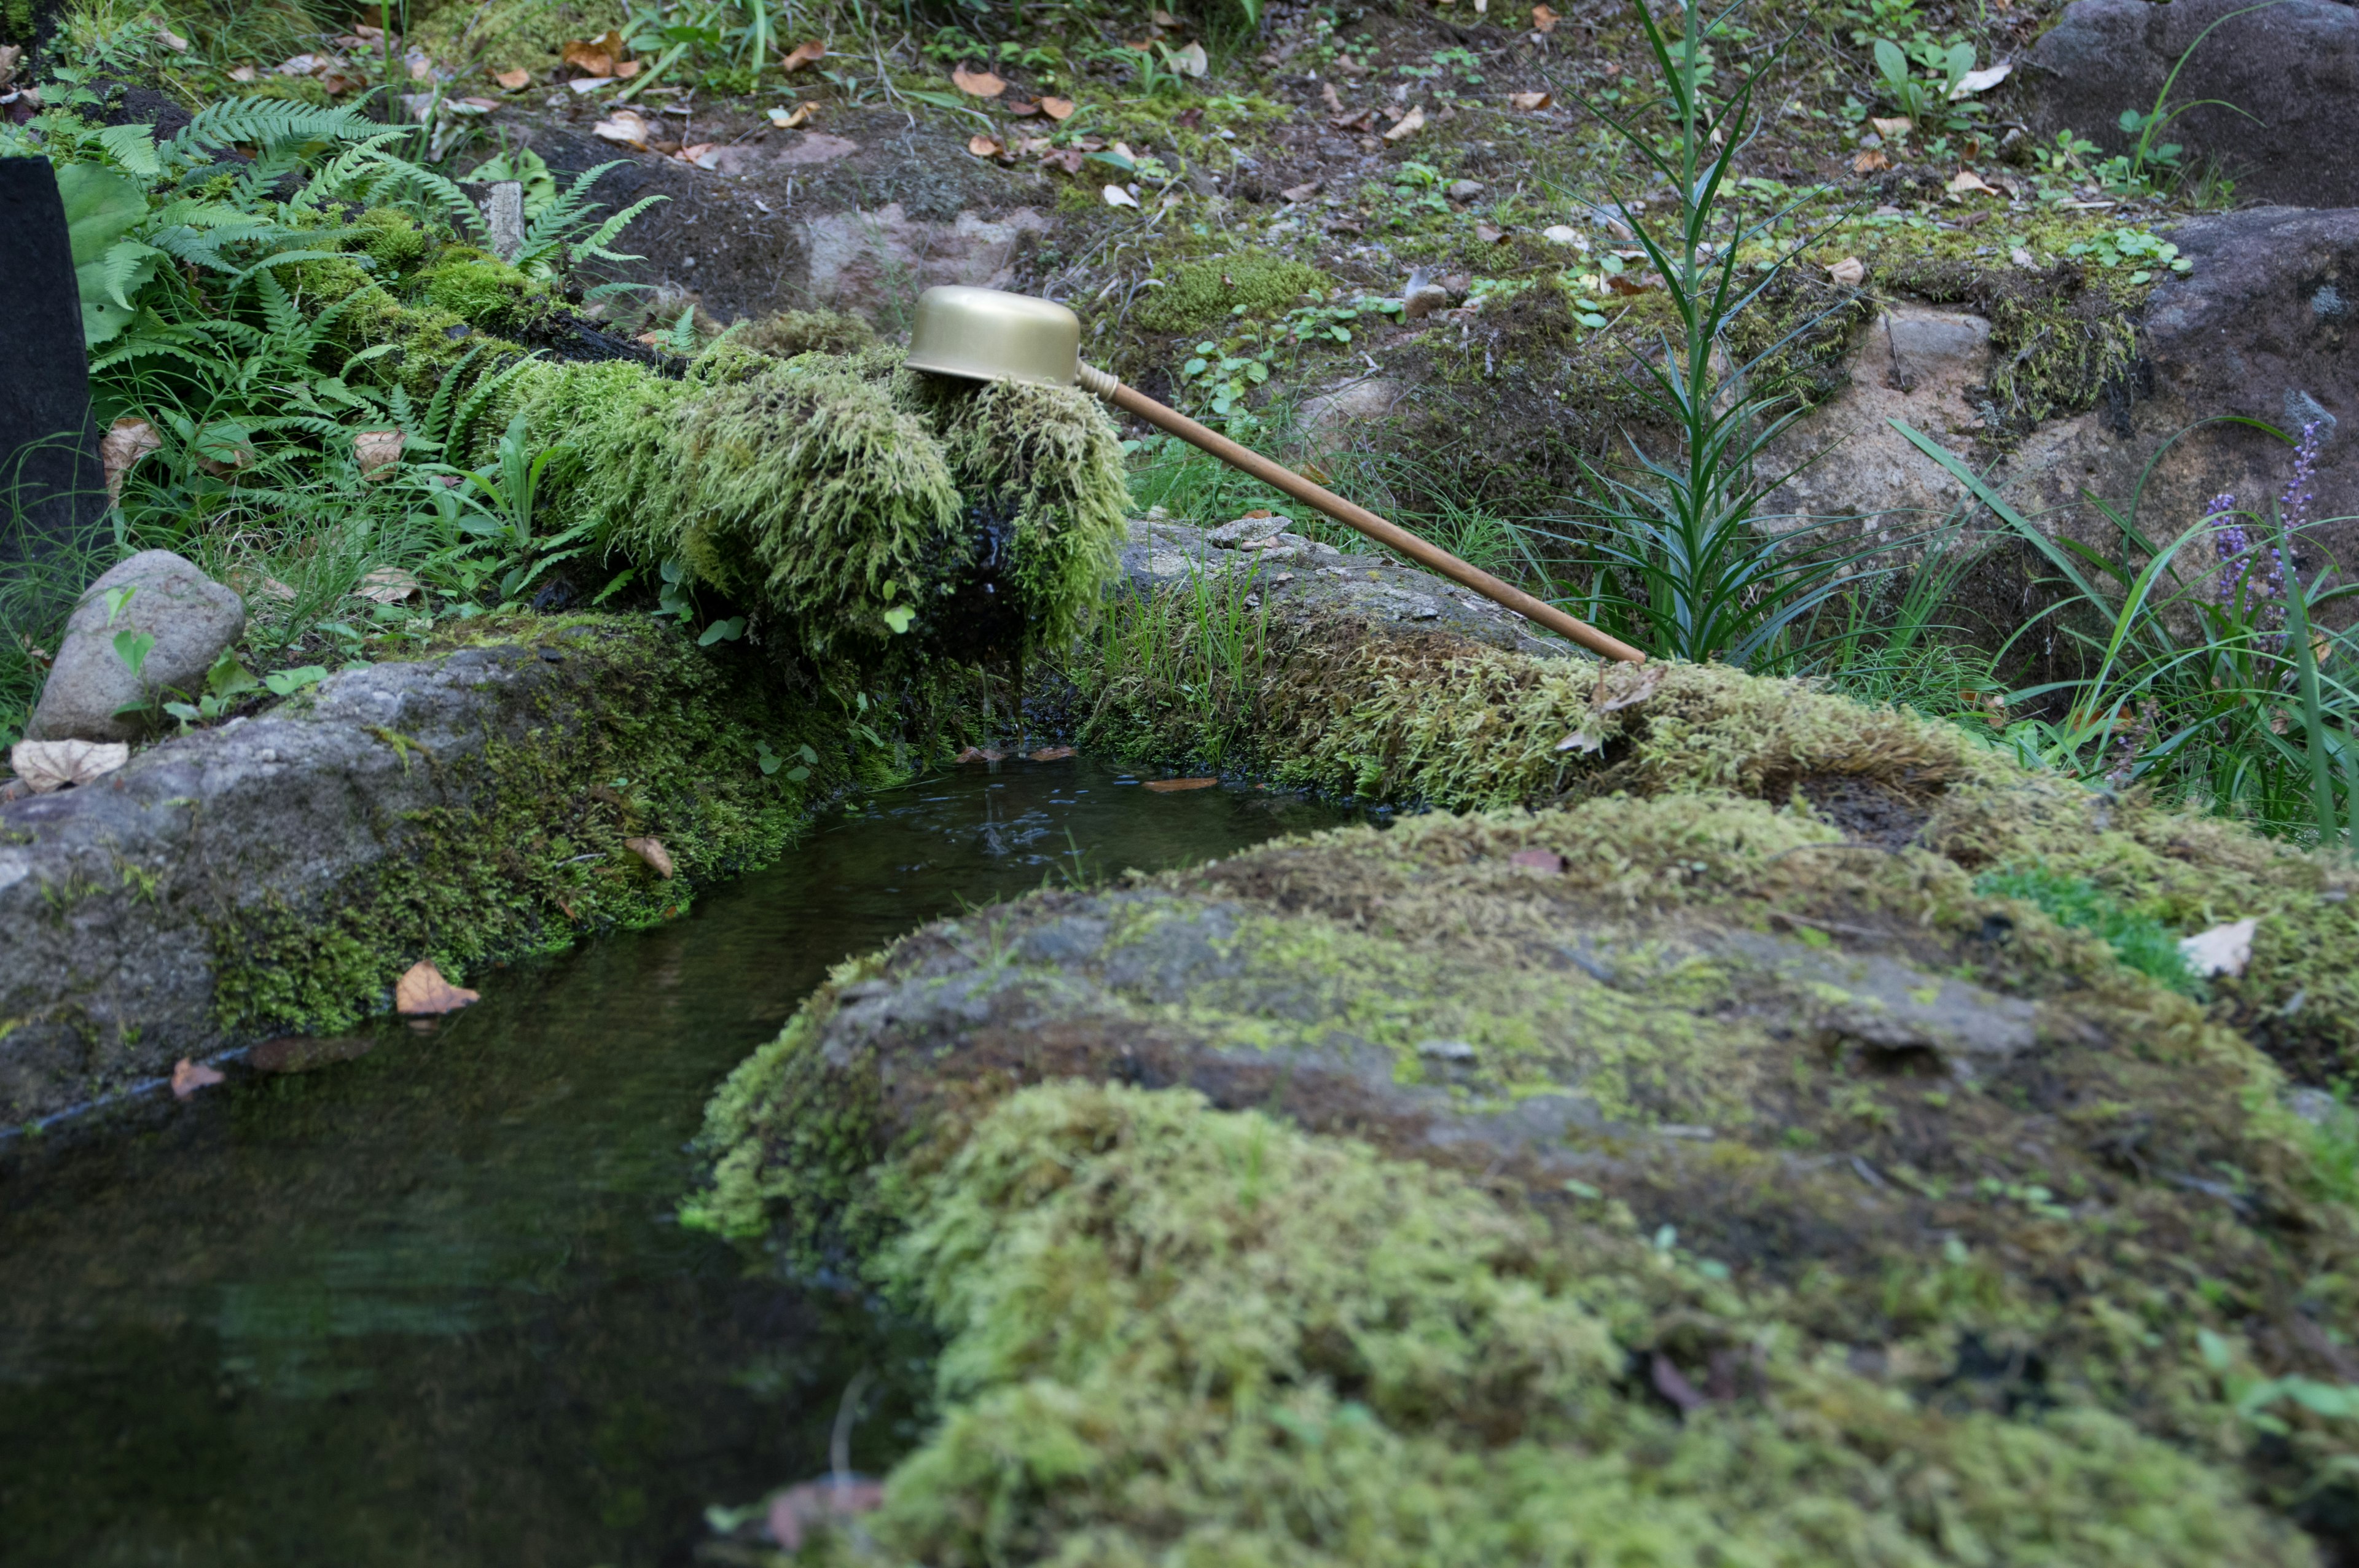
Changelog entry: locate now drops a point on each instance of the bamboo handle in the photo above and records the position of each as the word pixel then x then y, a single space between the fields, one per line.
pixel 1132 401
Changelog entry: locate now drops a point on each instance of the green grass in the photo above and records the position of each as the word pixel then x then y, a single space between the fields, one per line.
pixel 2139 941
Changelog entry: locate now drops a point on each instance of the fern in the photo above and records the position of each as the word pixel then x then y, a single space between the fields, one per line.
pixel 265 122
pixel 551 232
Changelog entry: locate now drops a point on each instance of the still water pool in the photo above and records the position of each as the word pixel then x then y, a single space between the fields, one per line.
pixel 429 1304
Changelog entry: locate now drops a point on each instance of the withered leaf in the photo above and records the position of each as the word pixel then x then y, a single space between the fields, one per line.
pixel 1529 100
pixel 1544 20
pixel 1171 787
pixel 387 585
pixel 189 1076
pixel 1626 686
pixel 422 992
pixel 652 851
pixel 984 146
pixel 977 83
pixel 378 450
pixel 1407 125
pixel 124 444
pixel 1850 272
pixel 1869 161
pixel 1057 108
pixel 47 765
pixel 978 755
pixel 514 81
pixel 805 53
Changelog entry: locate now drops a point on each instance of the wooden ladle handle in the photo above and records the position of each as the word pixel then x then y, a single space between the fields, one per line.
pixel 1132 401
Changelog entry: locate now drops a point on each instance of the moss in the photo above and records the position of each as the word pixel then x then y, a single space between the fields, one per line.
pixel 484 291
pixel 393 239
pixel 790 332
pixel 1199 294
pixel 528 850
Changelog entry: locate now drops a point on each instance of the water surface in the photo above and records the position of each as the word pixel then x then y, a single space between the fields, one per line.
pixel 430 1305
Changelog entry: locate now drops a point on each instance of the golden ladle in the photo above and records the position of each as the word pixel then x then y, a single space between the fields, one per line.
pixel 983 334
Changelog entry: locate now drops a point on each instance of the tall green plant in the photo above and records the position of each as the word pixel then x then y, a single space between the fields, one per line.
pixel 1685 565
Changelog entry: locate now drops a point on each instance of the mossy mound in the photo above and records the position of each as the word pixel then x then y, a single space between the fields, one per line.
pixel 1200 294
pixel 1714 1165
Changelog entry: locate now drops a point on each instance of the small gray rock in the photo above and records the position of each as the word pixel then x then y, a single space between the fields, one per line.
pixel 192 619
pixel 1247 530
pixel 1464 189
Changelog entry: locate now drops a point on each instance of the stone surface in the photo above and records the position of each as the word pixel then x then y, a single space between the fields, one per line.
pixel 2292 67
pixel 1362 398
pixel 192 619
pixel 868 260
pixel 50 473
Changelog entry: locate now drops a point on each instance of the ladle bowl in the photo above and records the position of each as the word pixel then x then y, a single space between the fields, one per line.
pixel 985 334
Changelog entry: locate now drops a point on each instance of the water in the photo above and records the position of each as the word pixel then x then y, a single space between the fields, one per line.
pixel 429 1304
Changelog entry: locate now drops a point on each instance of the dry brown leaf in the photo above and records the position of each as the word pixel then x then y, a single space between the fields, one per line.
pixel 1630 282
pixel 1965 180
pixel 377 451
pixel 1171 787
pixel 1547 860
pixel 799 116
pixel 601 56
pixel 1529 100
pixel 1115 196
pixel 977 83
pixel 1869 161
pixel 422 992
pixel 387 585
pixel 1489 233
pixel 1057 108
pixel 1302 192
pixel 696 153
pixel 1899 125
pixel 1850 272
pixel 808 52
pixel 126 444
pixel 47 765
pixel 1544 20
pixel 1981 81
pixel 1332 99
pixel 652 851
pixel 1053 753
pixel 626 126
pixel 978 755
pixel 513 80
pixel 245 73
pixel 1626 686
pixel 1407 125
pixel 189 1076
pixel 1022 108
pixel 984 146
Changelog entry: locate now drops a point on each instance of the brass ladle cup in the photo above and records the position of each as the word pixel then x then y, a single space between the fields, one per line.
pixel 983 334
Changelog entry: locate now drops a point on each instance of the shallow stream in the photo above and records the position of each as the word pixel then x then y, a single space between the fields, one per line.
pixel 428 1303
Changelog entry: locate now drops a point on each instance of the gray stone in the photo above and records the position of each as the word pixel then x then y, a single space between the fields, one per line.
pixel 868 260
pixel 2292 67
pixel 1245 530
pixel 192 619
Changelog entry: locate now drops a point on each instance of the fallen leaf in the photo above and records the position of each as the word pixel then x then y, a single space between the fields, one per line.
pixel 1022 108
pixel 1869 161
pixel 1332 99
pixel 1172 787
pixel 245 73
pixel 387 585
pixel 1191 61
pixel 977 754
pixel 1898 126
pixel 422 992
pixel 797 1508
pixel 1580 741
pixel 47 765
pixel 984 146
pixel 626 126
pixel 1115 196
pixel 1544 20
pixel 1981 81
pixel 189 1076
pixel 1850 272
pixel 1363 121
pixel 1528 101
pixel 1302 192
pixel 697 153
pixel 2223 950
pixel 377 451
pixel 581 84
pixel 298 65
pixel 795 119
pixel 1407 125
pixel 2023 258
pixel 1560 235
pixel 1068 160
pixel 167 37
pixel 1630 282
pixel 600 56
pixel 1547 860
pixel 977 83
pixel 1053 753
pixel 124 444
pixel 1626 686
pixel 1057 108
pixel 802 54
pixel 1489 233
pixel 1966 179
pixel 652 851
pixel 514 81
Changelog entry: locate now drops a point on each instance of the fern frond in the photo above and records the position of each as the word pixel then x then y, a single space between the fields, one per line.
pixel 345 169
pixel 268 122
pixel 134 148
pixel 595 245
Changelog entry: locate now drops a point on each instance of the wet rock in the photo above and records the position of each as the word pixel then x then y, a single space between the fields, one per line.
pixel 868 260
pixel 192 618
pixel 2291 68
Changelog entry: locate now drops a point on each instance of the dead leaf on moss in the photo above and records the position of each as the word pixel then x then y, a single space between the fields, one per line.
pixel 47 765
pixel 1172 787
pixel 189 1076
pixel 1053 753
pixel 1529 100
pixel 126 444
pixel 1332 99
pixel 652 851
pixel 1407 125
pixel 387 585
pixel 1981 81
pixel 1869 161
pixel 514 81
pixel 1580 741
pixel 1626 686
pixel 977 83
pixel 2223 950
pixel 809 52
pixel 1022 108
pixel 1850 272
pixel 1057 108
pixel 422 992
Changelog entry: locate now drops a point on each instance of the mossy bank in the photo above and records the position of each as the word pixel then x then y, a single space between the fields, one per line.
pixel 1733 1142
pixel 276 874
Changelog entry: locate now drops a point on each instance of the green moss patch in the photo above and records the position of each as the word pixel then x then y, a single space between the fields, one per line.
pixel 1200 294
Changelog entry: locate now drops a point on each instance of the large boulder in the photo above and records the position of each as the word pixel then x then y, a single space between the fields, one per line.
pixel 2291 68
pixel 191 619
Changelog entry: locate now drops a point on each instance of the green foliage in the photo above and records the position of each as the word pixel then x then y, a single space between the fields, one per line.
pixel 1249 283
pixel 2138 940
